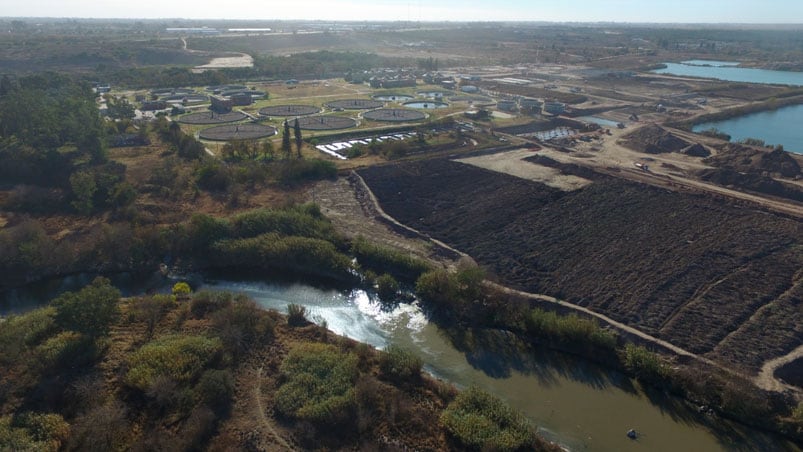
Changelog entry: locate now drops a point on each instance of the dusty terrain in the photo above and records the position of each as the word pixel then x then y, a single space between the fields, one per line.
pixel 704 273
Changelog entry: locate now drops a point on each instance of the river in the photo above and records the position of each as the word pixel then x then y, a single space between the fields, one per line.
pixel 582 406
pixel 723 70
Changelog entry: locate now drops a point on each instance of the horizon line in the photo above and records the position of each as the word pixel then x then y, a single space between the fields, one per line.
pixel 447 21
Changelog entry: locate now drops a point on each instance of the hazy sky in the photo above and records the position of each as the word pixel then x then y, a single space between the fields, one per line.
pixel 710 11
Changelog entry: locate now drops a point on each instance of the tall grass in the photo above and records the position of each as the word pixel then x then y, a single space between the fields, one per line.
pixel 568 329
pixel 319 384
pixel 387 260
pixel 480 421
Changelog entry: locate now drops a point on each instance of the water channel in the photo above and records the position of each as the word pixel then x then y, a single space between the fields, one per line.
pixel 582 406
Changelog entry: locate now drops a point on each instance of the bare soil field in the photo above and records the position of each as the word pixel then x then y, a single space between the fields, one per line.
pixel 718 278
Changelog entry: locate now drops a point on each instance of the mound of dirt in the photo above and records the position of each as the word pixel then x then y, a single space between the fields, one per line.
pixel 696 150
pixel 748 159
pixel 653 139
pixel 752 181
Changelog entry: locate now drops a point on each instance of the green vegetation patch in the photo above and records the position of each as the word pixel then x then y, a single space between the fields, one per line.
pixel 319 383
pixel 304 220
pixel 568 329
pixel 89 311
pixel 19 333
pixel 481 421
pixel 387 260
pixel 400 364
pixel 33 431
pixel 272 250
pixel 180 358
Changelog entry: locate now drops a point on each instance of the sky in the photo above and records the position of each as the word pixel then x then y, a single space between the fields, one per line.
pixel 653 11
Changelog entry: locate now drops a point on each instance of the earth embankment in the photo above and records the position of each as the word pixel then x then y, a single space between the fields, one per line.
pixel 713 277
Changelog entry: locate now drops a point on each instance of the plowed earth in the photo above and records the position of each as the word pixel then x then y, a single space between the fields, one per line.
pixel 718 279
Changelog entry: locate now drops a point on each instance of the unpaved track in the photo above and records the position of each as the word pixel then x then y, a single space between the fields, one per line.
pixel 266 423
pixel 355 212
pixel 766 378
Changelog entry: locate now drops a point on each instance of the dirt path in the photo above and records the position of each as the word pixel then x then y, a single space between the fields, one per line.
pixel 355 212
pixel 259 414
pixel 766 378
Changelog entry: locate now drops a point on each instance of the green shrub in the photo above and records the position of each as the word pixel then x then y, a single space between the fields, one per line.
pixel 438 287
pixel 214 177
pixel 387 287
pixel 293 172
pixel 303 220
pixel 65 350
pixel 307 255
pixel 180 358
pixel 319 384
pixel 644 364
pixel 20 333
pixel 568 329
pixel 480 421
pixel 399 364
pixel 204 230
pixel 33 432
pixel 296 315
pixel 91 310
pixel 451 289
pixel 388 260
pixel 242 324
pixel 216 389
pixel 206 302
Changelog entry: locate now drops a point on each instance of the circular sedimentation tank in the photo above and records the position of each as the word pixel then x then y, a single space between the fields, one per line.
pixel 210 117
pixel 394 115
pixel 325 122
pixel 289 110
pixel 426 104
pixel 390 97
pixel 237 132
pixel 356 104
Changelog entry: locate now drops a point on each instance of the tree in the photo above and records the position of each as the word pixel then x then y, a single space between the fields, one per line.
pixel 267 150
pixel 83 188
pixel 286 149
pixel 297 133
pixel 89 311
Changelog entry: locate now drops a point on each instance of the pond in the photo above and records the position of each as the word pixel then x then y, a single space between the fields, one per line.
pixel 781 126
pixel 721 70
pixel 599 121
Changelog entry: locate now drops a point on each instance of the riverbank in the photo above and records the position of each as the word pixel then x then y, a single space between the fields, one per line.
pixel 794 98
pixel 214 371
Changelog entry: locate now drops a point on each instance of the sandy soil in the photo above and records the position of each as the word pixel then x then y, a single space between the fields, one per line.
pixel 513 163
pixel 241 60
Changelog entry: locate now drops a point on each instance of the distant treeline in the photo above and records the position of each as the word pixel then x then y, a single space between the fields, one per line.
pixel 321 64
